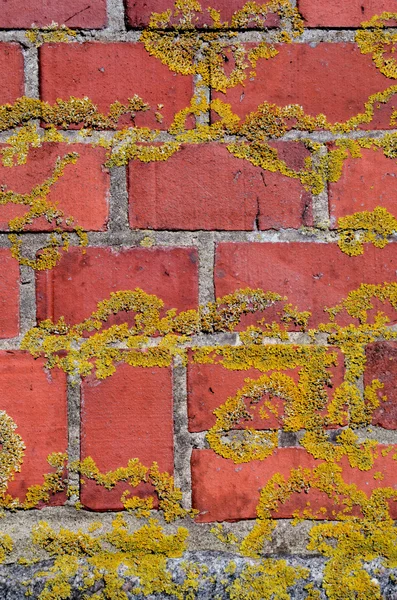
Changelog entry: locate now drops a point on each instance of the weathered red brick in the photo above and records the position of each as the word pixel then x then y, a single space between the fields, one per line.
pixel 109 72
pixel 16 14
pixel 206 187
pixel 128 415
pixel 36 400
pixel 365 183
pixel 319 13
pixel 82 191
pixel 224 491
pixel 329 78
pixel 75 286
pixel 209 386
pixel 9 295
pixel 139 11
pixel 11 68
pixel 382 364
pixel 312 276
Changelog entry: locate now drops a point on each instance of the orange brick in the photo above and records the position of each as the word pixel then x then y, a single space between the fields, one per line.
pixel 9 295
pixel 128 415
pixel 74 287
pixel 82 192
pixel 36 400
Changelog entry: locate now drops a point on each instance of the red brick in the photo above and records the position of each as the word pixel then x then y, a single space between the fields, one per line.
pixel 319 13
pixel 329 78
pixel 18 14
pixel 382 365
pixel 11 68
pixel 206 187
pixel 139 11
pixel 36 400
pixel 82 192
pixel 9 295
pixel 365 183
pixel 80 281
pixel 109 72
pixel 312 276
pixel 210 385
pixel 128 415
pixel 224 491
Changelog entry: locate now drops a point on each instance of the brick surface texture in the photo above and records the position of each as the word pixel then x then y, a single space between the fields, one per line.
pixel 161 172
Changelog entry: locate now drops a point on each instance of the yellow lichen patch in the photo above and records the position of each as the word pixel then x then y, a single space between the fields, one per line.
pixel 143 555
pixel 306 403
pixel 6 546
pixel 65 347
pixel 53 33
pixel 63 113
pixel 252 142
pixel 12 451
pixel 373 39
pixel 172 37
pixel 266 581
pixel 365 227
pixel 226 537
pixel 38 206
pixel 169 496
pixel 353 539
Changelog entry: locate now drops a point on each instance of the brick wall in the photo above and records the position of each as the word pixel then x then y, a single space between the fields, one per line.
pixel 190 213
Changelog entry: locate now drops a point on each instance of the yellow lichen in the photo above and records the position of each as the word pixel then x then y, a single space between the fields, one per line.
pixel 373 39
pixel 365 227
pixel 52 33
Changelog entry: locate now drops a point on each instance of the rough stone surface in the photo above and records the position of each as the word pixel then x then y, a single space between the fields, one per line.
pixel 12 576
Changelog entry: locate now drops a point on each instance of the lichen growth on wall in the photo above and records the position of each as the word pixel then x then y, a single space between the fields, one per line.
pixel 297 387
pixel 174 38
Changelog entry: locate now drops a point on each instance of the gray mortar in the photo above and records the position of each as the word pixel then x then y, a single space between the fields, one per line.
pixel 116 16
pixel 286 538
pixel 74 410
pixel 182 444
pixel 27 301
pixel 31 70
pixel 118 202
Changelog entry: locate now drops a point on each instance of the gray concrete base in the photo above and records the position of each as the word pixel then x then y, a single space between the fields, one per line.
pixel 13 577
